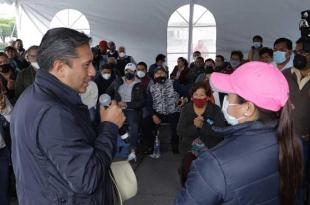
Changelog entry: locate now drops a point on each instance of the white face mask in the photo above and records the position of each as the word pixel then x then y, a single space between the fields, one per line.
pixel 230 119
pixel 140 74
pixel 122 54
pixel 257 44
pixel 234 63
pixel 35 65
pixel 106 76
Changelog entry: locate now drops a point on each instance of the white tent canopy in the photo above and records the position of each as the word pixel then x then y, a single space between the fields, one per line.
pixel 141 25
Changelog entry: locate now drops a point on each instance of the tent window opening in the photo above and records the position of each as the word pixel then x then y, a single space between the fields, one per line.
pixel 190 30
pixel 71 18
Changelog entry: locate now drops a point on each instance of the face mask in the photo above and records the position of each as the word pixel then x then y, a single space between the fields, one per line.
pixel 129 76
pixel 209 67
pixel 160 80
pixel 106 76
pixel 234 63
pixel 112 49
pixel 230 119
pixel 200 103
pixel 140 74
pixel 300 61
pixel 122 54
pixel 35 65
pixel 257 44
pixel 279 57
pixel 5 68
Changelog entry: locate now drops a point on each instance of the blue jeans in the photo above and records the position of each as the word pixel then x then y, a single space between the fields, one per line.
pixel 4 176
pixel 132 119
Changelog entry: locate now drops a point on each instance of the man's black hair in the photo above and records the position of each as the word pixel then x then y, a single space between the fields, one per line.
pixel 221 57
pixel 143 64
pixel 160 57
pixel 287 41
pixel 60 44
pixel 267 50
pixel 238 53
pixel 257 37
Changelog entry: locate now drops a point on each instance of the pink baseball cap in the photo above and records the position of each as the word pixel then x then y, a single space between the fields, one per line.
pixel 258 82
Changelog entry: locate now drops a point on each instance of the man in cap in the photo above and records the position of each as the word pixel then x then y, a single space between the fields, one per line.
pixel 129 92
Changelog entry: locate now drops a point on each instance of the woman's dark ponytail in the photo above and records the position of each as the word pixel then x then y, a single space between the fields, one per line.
pixel 290 157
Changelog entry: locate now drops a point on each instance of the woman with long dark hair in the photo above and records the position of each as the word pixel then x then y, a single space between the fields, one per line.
pixel 180 70
pixel 260 159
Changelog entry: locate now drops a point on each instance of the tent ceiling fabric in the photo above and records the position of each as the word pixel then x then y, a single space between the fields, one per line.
pixel 7 1
pixel 141 25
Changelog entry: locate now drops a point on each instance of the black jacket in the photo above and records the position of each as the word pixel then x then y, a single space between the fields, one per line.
pixel 58 157
pixel 242 169
pixel 187 132
pixel 102 83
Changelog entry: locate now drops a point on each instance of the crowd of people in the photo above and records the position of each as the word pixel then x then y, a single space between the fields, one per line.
pixel 231 121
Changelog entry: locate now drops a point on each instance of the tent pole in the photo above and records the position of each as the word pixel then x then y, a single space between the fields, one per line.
pixel 190 32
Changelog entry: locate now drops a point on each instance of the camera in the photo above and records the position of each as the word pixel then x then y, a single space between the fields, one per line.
pixel 304 26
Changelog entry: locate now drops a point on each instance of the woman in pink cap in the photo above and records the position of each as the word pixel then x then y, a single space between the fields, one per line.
pixel 260 159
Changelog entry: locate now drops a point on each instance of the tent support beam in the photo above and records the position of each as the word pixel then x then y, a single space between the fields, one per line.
pixel 190 33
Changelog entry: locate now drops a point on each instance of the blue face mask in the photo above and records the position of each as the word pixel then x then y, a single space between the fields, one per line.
pixel 279 57
pixel 257 44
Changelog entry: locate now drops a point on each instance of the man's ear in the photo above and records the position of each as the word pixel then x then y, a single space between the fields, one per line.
pixel 58 69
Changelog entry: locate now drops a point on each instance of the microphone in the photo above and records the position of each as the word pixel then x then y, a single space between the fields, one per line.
pixel 105 100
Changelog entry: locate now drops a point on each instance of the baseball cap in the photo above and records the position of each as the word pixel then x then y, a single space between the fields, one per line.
pixel 130 66
pixel 260 83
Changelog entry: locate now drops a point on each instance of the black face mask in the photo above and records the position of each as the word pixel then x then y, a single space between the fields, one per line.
pixel 112 49
pixel 129 76
pixel 5 68
pixel 160 80
pixel 300 61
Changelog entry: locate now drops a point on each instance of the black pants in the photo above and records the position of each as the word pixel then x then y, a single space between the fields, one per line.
pixel 149 129
pixel 4 176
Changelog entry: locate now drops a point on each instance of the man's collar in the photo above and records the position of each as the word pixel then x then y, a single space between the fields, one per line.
pixel 301 81
pixel 47 81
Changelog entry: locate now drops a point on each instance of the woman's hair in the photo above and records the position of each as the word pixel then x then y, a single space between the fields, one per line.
pixel 290 151
pixel 204 85
pixel 184 61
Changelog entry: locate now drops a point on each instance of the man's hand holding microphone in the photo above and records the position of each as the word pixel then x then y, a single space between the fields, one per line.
pixel 110 111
